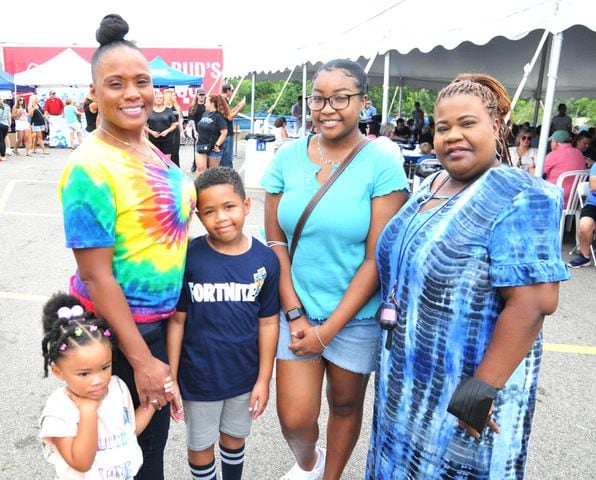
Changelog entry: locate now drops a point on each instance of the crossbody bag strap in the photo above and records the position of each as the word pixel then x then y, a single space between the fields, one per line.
pixel 315 199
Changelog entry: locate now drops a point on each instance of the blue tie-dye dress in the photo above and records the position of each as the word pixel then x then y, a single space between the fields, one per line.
pixel 501 231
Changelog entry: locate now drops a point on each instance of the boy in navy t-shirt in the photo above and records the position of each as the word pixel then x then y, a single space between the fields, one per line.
pixel 223 337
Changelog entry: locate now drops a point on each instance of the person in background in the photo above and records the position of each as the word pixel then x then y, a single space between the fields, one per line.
pixel 227 153
pixel 212 132
pixel 522 154
pixel 329 288
pixel 587 225
pixel 161 125
pixel 388 130
pixel 418 117
pixel 22 126
pixel 402 131
pixel 38 124
pixel 366 116
pixel 297 113
pixel 222 350
pixel 170 101
pixel 427 150
pixel 127 211
pixel 90 110
pixel 5 117
pixel 426 135
pixel 280 132
pixel 54 106
pixel 582 141
pixel 197 106
pixel 73 123
pixel 561 121
pixel 195 113
pixel 562 158
pixel 469 268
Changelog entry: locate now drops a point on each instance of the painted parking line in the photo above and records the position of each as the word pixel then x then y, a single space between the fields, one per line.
pixel 31 214
pixel 566 348
pixel 6 194
pixel 24 296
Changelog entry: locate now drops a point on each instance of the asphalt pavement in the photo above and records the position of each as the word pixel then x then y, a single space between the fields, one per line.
pixel 34 263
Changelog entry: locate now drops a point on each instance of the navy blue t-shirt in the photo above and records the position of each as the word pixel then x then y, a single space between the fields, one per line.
pixel 224 296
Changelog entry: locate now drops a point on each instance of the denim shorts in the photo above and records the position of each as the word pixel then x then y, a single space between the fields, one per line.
pixel 354 348
pixel 205 420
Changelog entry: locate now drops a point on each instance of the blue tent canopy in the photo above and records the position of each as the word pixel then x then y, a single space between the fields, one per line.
pixel 6 81
pixel 165 76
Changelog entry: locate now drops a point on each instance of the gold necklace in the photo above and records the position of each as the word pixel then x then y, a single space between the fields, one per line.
pixel 128 144
pixel 323 159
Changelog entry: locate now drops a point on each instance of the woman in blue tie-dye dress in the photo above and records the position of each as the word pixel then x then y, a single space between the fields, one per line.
pixel 472 263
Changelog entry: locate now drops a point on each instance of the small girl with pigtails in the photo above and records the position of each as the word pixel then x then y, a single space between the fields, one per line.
pixel 88 427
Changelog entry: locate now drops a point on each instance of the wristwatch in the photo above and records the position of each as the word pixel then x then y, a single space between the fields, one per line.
pixel 294 313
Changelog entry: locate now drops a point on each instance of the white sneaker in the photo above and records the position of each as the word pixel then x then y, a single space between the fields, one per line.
pixel 296 473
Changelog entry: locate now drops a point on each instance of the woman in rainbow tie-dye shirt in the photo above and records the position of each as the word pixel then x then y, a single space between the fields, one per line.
pixel 127 210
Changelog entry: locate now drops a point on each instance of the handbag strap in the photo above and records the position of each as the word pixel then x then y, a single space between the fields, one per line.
pixel 315 199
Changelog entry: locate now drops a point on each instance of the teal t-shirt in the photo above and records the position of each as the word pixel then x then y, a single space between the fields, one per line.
pixel 333 242
pixel 70 114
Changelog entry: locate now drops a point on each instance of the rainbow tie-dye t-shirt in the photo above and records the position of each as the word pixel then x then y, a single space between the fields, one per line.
pixel 112 199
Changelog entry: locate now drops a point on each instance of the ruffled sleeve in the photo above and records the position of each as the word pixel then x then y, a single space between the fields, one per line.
pixel 524 246
pixel 389 172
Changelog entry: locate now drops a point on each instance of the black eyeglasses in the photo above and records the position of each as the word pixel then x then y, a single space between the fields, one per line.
pixel 337 102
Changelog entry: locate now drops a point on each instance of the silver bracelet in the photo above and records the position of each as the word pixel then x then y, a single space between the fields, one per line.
pixel 276 243
pixel 319 337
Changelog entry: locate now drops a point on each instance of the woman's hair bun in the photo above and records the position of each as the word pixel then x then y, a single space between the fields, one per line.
pixel 112 28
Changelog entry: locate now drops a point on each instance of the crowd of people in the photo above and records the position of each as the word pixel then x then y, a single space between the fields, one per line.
pixel 356 275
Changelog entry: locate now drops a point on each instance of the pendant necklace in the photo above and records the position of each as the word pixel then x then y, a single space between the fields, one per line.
pixel 128 144
pixel 388 311
pixel 323 160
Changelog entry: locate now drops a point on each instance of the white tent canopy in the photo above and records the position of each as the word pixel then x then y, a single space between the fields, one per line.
pixel 67 68
pixel 430 46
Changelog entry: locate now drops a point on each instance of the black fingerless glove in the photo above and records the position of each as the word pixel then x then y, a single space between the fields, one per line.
pixel 471 402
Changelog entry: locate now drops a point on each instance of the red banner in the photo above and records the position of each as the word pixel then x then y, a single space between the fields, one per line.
pixel 204 62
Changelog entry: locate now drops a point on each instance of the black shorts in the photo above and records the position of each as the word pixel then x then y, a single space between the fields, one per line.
pixel 589 211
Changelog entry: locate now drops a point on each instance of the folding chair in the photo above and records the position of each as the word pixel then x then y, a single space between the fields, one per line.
pixel 571 208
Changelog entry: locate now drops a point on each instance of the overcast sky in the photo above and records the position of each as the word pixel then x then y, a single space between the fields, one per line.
pixel 183 23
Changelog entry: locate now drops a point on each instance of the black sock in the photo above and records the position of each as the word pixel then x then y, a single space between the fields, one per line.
pixel 203 472
pixel 232 462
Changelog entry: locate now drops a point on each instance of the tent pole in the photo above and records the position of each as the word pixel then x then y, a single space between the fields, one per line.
pixel 386 87
pixel 304 98
pixel 549 98
pixel 538 93
pixel 370 63
pixel 401 92
pixel 281 92
pixel 235 90
pixel 528 67
pixel 252 103
pixel 392 100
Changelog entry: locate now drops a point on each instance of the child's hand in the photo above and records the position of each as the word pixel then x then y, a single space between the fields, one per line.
pixel 259 399
pixel 176 409
pixel 84 403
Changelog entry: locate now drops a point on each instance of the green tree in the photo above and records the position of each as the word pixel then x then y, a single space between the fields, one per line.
pixel 266 93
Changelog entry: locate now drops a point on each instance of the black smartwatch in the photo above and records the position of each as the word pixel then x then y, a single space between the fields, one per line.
pixel 294 313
